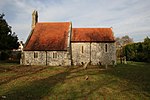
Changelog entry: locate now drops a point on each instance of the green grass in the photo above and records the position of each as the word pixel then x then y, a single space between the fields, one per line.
pixel 123 82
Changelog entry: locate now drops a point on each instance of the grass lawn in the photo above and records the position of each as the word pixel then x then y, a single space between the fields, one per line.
pixel 123 82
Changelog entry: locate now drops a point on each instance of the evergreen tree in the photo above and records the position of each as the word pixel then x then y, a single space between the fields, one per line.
pixel 8 39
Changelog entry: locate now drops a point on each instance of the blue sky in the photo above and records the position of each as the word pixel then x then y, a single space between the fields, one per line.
pixel 127 17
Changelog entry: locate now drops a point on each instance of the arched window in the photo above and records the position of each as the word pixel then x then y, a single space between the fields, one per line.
pixel 54 55
pixel 106 47
pixel 35 55
pixel 82 49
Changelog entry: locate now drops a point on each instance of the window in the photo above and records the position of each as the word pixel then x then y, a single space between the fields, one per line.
pixel 106 47
pixel 35 55
pixel 54 55
pixel 82 49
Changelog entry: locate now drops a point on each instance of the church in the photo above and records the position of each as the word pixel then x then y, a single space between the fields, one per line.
pixel 59 44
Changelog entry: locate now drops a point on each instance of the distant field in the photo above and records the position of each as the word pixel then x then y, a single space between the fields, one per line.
pixel 123 82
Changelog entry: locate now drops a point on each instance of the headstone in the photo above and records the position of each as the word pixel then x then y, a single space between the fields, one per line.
pixel 85 66
pixel 86 77
pixel 125 62
pixel 106 66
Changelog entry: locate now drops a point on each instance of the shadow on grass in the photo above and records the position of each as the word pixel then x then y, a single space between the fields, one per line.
pixel 4 69
pixel 41 88
pixel 136 73
pixel 22 74
pixel 97 88
pixel 37 89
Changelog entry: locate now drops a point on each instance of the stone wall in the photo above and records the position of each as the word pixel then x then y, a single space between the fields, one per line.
pixel 94 52
pixel 52 58
pixel 28 58
pixel 99 55
pixel 81 53
pixel 80 56
pixel 62 58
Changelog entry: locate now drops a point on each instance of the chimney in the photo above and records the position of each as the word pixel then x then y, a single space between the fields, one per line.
pixel 34 18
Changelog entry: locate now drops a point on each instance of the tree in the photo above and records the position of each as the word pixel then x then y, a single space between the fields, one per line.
pixel 146 46
pixel 8 39
pixel 120 46
pixel 123 41
pixel 138 51
pixel 126 40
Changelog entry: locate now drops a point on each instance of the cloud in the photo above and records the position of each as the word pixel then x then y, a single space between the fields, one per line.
pixel 125 16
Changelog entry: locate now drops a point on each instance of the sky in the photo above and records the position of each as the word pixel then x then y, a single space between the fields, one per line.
pixel 126 17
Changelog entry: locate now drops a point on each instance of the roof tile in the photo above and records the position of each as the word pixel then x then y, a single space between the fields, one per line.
pixel 48 36
pixel 92 35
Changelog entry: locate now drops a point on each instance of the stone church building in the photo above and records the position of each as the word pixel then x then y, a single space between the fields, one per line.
pixel 58 44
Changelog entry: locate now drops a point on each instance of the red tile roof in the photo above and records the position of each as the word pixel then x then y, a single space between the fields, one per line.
pixel 92 35
pixel 48 36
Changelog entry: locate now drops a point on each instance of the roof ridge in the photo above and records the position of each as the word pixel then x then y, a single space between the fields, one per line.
pixel 52 22
pixel 90 28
